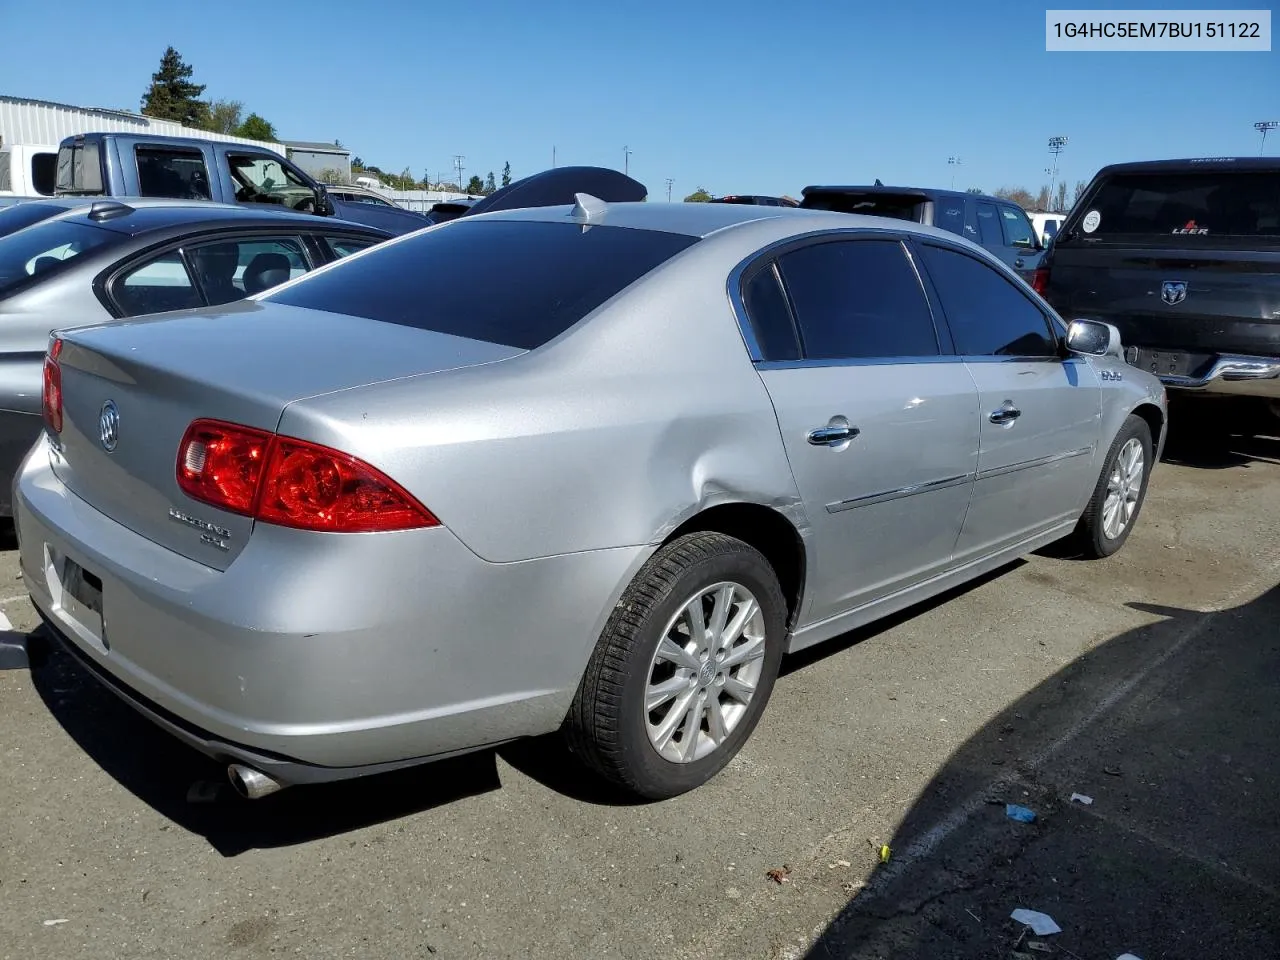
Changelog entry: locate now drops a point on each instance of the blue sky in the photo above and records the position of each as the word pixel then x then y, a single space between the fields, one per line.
pixel 742 97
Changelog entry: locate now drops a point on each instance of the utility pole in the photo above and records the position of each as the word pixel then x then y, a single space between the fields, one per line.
pixel 1055 147
pixel 553 157
pixel 1262 128
pixel 626 161
pixel 954 162
pixel 669 183
pixel 457 165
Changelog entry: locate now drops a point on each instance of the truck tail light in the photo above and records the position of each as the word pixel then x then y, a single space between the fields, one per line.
pixel 1040 280
pixel 51 398
pixel 291 483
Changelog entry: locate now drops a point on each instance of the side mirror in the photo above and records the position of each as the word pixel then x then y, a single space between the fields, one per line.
pixel 1095 339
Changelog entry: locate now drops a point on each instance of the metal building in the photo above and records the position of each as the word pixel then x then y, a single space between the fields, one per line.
pixel 318 159
pixel 43 122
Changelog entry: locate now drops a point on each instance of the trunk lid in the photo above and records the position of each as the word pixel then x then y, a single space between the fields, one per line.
pixel 242 364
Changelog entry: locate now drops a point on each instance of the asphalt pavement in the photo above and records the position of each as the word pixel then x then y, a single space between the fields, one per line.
pixel 1146 683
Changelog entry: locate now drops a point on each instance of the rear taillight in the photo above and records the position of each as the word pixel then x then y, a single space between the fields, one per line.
pixel 291 483
pixel 1040 280
pixel 52 393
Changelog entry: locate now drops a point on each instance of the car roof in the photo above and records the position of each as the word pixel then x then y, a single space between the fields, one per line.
pixel 703 219
pixel 145 218
pixel 1194 165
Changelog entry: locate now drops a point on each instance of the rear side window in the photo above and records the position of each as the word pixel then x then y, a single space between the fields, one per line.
pixel 231 270
pixel 156 286
pixel 948 214
pixel 79 168
pixel 1205 204
pixel 537 279
pixel 45 249
pixel 989 226
pixel 345 246
pixel 988 315
pixel 770 317
pixel 166 172
pixel 858 299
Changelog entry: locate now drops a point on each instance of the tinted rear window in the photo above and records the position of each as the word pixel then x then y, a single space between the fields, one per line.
pixel 45 248
pixel 519 284
pixel 871 204
pixel 1185 204
pixel 24 215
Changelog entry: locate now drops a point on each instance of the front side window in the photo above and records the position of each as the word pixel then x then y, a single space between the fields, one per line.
pixel 231 270
pixel 552 276
pixel 261 178
pixel 988 315
pixel 45 249
pixel 156 286
pixel 167 172
pixel 858 299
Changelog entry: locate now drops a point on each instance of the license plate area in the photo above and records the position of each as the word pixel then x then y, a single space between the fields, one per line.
pixel 1167 363
pixel 77 596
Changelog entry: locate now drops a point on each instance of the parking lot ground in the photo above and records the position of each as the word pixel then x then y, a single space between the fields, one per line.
pixel 1146 682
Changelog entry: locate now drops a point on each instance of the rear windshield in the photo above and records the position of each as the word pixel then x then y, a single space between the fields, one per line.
pixel 517 283
pixel 1184 204
pixel 45 249
pixel 871 204
pixel 24 215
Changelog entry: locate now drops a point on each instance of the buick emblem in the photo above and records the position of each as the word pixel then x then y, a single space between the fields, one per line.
pixel 109 425
pixel 1173 291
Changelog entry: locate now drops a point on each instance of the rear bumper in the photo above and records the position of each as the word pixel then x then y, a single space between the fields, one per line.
pixel 1234 375
pixel 351 653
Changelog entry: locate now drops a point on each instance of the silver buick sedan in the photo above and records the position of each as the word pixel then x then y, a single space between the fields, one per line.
pixel 377 516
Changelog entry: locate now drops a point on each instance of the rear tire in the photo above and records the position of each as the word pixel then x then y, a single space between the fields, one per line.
pixel 660 722
pixel 1119 494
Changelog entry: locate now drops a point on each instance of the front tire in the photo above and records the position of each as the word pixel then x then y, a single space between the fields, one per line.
pixel 683 669
pixel 1120 492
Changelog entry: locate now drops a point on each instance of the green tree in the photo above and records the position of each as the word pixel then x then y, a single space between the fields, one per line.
pixel 475 186
pixel 506 174
pixel 330 176
pixel 698 196
pixel 974 190
pixel 224 116
pixel 172 95
pixel 256 128
pixel 489 185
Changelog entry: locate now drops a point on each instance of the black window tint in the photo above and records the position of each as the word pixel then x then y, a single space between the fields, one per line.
pixel 231 270
pixel 543 278
pixel 989 226
pixel 156 286
pixel 1187 204
pixel 988 315
pixel 1017 228
pixel 166 172
pixel 770 316
pixel 948 214
pixel 858 298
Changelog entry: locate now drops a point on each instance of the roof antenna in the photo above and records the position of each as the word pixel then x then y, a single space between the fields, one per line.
pixel 878 183
pixel 585 206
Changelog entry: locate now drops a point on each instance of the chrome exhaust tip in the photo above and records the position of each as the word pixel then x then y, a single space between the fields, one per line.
pixel 250 783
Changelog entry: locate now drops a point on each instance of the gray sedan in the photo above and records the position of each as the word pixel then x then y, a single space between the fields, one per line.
pixel 603 493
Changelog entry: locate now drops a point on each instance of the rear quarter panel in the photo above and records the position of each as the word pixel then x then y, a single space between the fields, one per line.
pixel 610 436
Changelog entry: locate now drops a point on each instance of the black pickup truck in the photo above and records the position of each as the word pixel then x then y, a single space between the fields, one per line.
pixel 1183 256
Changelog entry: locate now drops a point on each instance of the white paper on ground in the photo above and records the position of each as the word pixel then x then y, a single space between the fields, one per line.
pixel 4 622
pixel 1041 923
pixel 1127 956
pixel 1081 798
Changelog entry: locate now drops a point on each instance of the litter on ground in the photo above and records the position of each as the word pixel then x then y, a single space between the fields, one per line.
pixel 1041 924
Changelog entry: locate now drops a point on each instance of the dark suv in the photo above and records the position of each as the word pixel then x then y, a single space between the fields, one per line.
pixel 995 223
pixel 1183 256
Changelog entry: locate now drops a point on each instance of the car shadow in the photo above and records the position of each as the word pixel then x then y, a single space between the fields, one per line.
pixel 1151 766
pixel 1219 434
pixel 193 791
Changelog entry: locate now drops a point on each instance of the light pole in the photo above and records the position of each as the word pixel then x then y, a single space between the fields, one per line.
pixel 1262 128
pixel 954 162
pixel 626 160
pixel 457 164
pixel 669 183
pixel 1055 147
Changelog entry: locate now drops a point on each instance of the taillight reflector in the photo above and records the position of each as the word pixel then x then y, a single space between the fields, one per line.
pixel 1040 280
pixel 51 396
pixel 291 483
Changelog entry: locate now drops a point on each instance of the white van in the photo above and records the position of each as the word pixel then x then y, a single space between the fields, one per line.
pixel 1046 225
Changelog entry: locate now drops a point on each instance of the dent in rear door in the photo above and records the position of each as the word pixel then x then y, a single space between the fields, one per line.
pixel 879 427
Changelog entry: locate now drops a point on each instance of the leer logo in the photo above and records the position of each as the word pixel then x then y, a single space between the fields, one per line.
pixel 1190 228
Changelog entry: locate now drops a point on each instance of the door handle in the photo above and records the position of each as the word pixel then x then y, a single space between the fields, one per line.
pixel 1006 414
pixel 832 434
